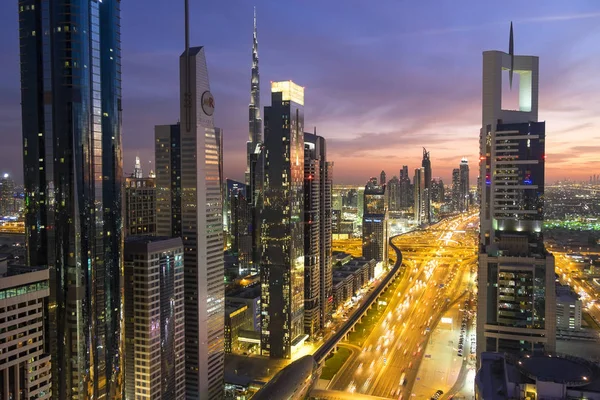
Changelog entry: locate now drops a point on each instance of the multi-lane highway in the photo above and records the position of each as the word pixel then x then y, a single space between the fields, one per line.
pixel 435 262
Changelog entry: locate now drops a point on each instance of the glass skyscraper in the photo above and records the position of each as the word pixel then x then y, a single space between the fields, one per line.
pixel 71 115
pixel 282 230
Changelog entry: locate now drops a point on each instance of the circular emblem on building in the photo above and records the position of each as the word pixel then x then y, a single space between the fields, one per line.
pixel 208 103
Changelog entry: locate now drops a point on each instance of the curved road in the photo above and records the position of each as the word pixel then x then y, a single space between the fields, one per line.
pixel 435 261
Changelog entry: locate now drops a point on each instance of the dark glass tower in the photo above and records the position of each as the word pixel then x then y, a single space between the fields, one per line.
pixel 426 164
pixel 282 230
pixel 71 111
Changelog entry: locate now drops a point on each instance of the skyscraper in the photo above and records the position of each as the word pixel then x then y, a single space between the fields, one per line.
pixel 456 193
pixel 282 230
pixel 254 120
pixel 406 196
pixel 140 203
pixel 374 227
pixel 239 223
pixel 426 164
pixel 516 296
pixel 154 318
pixel 255 157
pixel 315 152
pixel 419 196
pixel 73 181
pixel 393 193
pixel 382 179
pixel 464 185
pixel 201 229
pixel 167 157
pixel 7 195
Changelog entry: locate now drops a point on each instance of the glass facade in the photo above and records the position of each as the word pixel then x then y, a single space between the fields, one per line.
pixel 374 228
pixel 71 113
pixel 282 228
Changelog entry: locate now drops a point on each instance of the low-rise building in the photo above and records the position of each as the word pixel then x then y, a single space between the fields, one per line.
pixel 238 318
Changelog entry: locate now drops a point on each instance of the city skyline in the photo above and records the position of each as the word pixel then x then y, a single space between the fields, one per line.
pixel 384 136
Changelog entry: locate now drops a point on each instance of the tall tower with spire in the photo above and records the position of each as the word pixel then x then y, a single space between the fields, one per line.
pixel 254 119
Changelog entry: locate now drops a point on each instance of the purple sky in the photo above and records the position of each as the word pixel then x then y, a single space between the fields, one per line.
pixel 383 78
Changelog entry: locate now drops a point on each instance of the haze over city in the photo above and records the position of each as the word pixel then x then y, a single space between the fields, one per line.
pixel 380 81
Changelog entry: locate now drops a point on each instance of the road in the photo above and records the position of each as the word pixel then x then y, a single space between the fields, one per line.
pixel 435 261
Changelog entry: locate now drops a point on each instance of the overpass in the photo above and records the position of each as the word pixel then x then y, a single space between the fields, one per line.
pixel 330 345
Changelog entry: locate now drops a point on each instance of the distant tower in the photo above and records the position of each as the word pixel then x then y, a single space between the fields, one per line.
pixel 516 297
pixel 426 199
pixel 137 170
pixel 254 122
pixel 382 179
pixel 464 185
pixel 375 221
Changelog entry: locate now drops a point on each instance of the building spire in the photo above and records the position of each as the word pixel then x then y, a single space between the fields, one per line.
pixel 511 52
pixel 255 134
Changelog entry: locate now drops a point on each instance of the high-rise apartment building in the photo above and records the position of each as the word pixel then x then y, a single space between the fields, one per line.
pixel 73 180
pixel 282 229
pixel 437 190
pixel 24 359
pixel 318 215
pixel 426 200
pixel 7 195
pixel 154 319
pixel 420 199
pixel 464 185
pixel 375 221
pixel 516 296
pixel 202 231
pixel 140 203
pixel 406 195
pixel 382 179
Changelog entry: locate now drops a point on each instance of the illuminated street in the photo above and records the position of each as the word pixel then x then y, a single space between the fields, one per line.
pixel 437 264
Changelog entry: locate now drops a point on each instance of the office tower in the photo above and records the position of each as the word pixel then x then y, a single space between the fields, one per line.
pixel 516 296
pixel 201 228
pixel 406 196
pixel 240 223
pixel 315 154
pixel 464 185
pixel 154 318
pixel 426 164
pixel 7 195
pixel 382 179
pixel 456 193
pixel 25 365
pixel 393 193
pixel 419 196
pixel 73 179
pixel 360 202
pixel 167 157
pixel 140 203
pixel 374 227
pixel 282 236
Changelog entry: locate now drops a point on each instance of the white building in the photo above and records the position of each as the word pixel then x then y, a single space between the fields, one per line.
pixel 202 232
pixel 22 343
